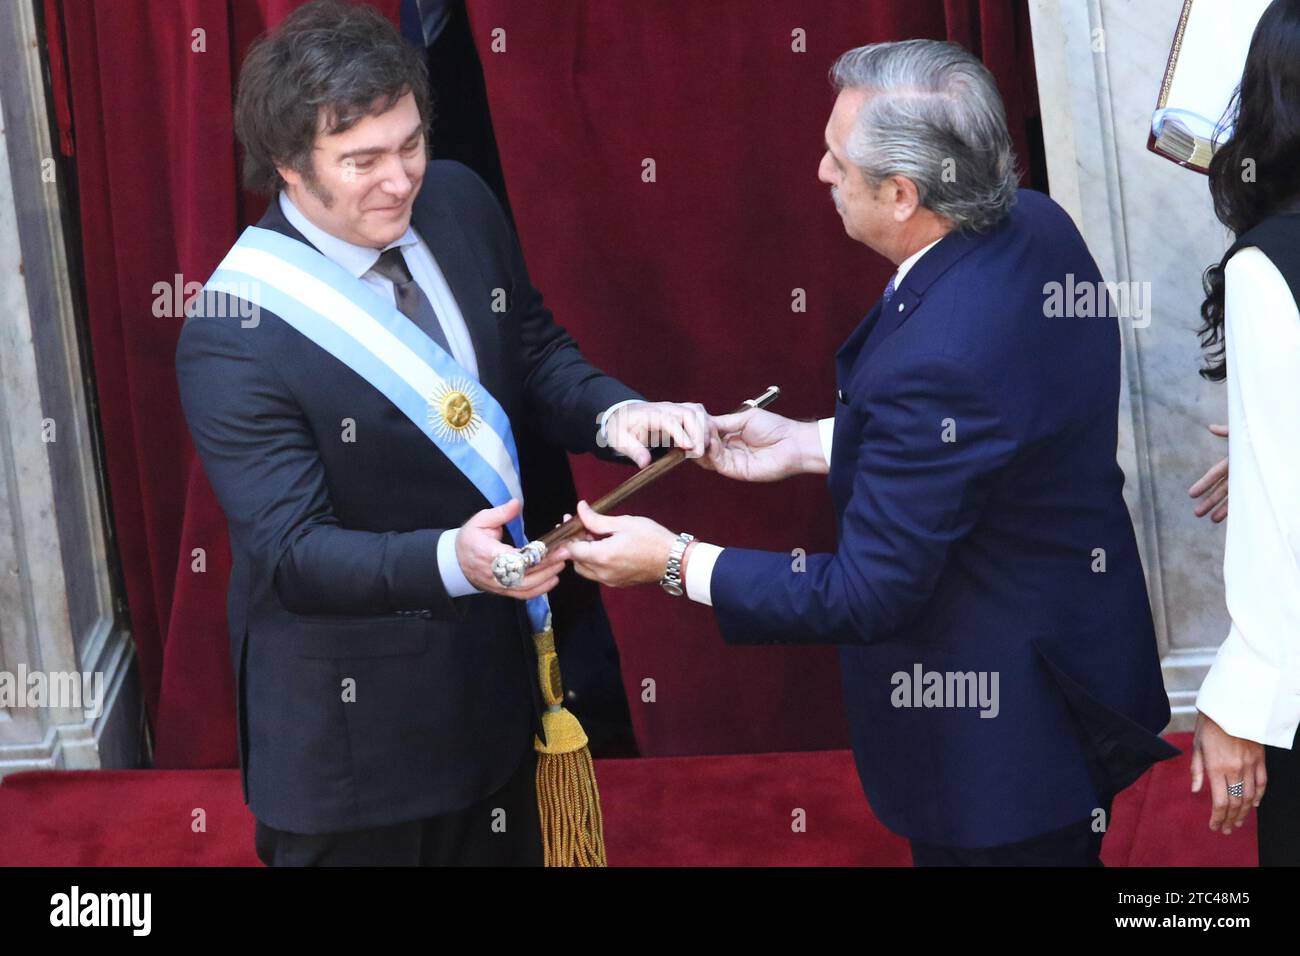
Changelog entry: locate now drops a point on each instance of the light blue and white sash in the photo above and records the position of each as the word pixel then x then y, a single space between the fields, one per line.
pixel 355 324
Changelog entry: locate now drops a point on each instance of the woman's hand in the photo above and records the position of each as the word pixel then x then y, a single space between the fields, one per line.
pixel 1226 760
pixel 1213 486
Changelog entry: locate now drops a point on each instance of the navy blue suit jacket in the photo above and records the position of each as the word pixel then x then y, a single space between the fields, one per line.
pixel 334 537
pixel 978 497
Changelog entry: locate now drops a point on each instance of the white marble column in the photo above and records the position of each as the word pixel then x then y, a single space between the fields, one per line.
pixel 1146 220
pixel 58 620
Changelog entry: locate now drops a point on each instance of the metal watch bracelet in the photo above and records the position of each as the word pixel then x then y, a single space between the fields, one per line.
pixel 672 579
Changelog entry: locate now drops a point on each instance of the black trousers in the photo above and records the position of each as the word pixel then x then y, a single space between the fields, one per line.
pixel 468 837
pixel 1279 811
pixel 1078 844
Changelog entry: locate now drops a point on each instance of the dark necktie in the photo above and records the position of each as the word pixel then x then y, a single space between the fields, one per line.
pixel 411 300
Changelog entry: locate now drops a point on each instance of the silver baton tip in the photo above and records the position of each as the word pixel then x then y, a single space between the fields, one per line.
pixel 509 569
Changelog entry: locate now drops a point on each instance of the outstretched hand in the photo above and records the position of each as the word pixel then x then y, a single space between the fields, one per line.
pixel 756 445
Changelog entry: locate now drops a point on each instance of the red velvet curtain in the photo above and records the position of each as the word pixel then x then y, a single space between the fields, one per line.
pixel 682 287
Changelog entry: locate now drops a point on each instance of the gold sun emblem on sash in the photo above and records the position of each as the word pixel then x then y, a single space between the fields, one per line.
pixel 451 411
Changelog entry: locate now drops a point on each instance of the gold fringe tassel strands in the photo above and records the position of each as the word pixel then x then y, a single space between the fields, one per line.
pixel 568 800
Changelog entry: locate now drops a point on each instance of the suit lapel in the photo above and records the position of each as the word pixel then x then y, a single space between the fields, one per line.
pixel 847 355
pixel 900 308
pixel 887 319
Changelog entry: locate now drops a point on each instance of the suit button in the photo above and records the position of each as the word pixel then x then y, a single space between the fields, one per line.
pixel 839 394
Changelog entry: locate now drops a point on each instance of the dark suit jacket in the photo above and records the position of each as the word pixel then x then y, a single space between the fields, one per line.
pixel 977 553
pixel 335 582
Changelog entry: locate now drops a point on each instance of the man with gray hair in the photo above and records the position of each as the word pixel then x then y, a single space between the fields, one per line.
pixel 999 662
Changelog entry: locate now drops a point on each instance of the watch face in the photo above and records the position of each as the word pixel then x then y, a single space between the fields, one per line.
pixel 672 588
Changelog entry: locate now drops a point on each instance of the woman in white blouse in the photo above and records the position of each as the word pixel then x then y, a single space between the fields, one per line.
pixel 1246 748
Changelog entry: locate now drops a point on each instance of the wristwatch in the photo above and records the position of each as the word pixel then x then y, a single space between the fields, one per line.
pixel 672 579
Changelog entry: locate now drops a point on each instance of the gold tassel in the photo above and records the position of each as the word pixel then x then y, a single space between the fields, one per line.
pixel 568 800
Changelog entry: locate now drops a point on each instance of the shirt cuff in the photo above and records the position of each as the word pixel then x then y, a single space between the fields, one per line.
pixel 699 572
pixel 1248 696
pixel 826 430
pixel 453 576
pixel 604 418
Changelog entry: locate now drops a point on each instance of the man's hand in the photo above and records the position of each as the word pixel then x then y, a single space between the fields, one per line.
pixel 479 542
pixel 1226 760
pixel 1213 486
pixel 623 550
pixel 756 445
pixel 636 428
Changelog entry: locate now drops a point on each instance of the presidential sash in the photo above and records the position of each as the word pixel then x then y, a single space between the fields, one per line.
pixel 368 334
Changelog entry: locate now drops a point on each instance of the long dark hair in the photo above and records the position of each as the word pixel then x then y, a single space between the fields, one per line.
pixel 1265 142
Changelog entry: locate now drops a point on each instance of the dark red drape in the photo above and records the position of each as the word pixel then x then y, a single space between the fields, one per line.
pixel 681 286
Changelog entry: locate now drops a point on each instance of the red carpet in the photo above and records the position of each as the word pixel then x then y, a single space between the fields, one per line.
pixel 678 811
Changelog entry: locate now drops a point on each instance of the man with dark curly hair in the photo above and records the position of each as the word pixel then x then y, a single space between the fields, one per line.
pixel 352 377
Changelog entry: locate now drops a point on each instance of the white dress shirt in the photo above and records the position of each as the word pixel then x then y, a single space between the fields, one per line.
pixel 699 569
pixel 1253 688
pixel 360 260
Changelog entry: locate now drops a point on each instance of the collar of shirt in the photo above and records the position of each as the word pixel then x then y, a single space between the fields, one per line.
pixel 906 264
pixel 358 260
